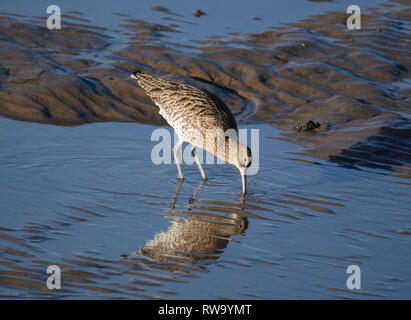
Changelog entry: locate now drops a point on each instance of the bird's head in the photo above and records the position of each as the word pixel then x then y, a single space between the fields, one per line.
pixel 232 151
pixel 244 159
pixel 240 156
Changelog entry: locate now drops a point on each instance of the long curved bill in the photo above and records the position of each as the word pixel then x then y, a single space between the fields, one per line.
pixel 244 179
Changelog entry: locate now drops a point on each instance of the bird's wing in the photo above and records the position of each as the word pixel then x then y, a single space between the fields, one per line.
pixel 186 101
pixel 198 105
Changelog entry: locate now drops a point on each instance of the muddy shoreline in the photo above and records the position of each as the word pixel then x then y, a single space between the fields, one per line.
pixel 355 83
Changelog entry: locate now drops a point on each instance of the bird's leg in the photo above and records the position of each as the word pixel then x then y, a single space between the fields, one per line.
pixel 175 150
pixel 203 176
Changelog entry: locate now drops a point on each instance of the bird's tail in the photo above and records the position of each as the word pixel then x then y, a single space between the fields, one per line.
pixel 152 85
pixel 136 74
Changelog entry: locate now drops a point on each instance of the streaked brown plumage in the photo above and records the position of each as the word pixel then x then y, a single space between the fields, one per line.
pixel 195 114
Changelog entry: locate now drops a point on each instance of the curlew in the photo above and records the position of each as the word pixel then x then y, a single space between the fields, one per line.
pixel 199 118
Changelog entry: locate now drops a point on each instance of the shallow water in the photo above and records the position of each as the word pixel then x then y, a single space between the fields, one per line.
pixel 89 199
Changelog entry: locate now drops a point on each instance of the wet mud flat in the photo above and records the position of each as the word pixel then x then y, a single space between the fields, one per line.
pixel 355 83
pixel 323 199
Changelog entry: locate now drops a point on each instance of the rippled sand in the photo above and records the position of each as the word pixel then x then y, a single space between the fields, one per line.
pixel 74 195
pixel 355 83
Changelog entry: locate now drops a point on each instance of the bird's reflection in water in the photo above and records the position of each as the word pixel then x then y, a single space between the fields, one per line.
pixel 193 235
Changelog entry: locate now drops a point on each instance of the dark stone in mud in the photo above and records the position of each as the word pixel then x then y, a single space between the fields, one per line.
pixel 198 13
pixel 309 126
